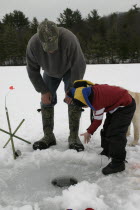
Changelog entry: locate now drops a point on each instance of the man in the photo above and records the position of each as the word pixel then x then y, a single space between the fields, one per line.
pixel 57 51
pixel 120 108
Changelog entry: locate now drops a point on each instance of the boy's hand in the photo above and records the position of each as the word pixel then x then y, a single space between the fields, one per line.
pixel 87 137
pixel 46 98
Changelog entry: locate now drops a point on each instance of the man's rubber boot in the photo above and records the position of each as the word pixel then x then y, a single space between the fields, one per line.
pixel 114 166
pixel 74 113
pixel 48 123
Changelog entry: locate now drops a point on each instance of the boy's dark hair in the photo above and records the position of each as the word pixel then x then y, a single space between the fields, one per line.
pixel 78 103
pixel 75 101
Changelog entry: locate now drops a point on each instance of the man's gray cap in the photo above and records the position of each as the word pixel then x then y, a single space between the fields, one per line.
pixel 48 34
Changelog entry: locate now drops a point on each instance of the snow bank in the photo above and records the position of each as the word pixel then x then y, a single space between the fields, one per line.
pixel 25 183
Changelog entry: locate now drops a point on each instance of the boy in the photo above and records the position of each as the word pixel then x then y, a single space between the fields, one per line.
pixel 120 108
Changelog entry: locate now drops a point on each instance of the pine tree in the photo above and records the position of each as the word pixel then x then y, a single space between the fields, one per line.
pixel 33 26
pixel 16 27
pixel 16 19
pixel 69 18
pixel 2 46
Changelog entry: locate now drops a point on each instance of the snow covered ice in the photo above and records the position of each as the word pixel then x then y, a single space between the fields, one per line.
pixel 25 183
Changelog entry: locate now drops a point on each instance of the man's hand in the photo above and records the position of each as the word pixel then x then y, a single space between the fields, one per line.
pixel 67 99
pixel 87 137
pixel 46 98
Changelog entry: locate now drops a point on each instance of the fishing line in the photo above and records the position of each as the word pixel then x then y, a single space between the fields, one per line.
pixel 81 128
pixel 66 181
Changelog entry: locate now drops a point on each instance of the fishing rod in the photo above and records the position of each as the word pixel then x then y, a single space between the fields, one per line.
pixel 18 152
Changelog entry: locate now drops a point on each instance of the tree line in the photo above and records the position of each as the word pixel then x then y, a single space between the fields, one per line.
pixel 109 39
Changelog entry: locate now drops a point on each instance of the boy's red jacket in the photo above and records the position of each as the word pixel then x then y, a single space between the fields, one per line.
pixel 107 99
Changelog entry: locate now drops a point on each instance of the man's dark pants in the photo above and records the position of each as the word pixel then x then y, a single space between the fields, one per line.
pixel 53 84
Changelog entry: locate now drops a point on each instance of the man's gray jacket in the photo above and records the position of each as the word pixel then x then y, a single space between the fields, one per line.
pixel 69 56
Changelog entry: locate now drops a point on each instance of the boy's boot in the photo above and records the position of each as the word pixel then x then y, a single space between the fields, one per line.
pixel 48 124
pixel 74 113
pixel 114 166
